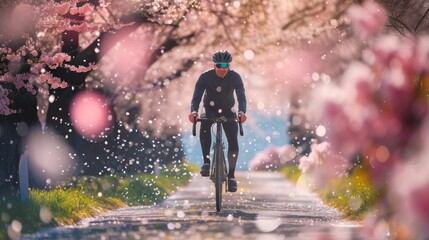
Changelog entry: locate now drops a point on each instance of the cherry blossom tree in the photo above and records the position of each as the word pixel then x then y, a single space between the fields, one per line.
pixel 360 87
pixel 52 53
pixel 328 65
pixel 58 49
pixel 376 112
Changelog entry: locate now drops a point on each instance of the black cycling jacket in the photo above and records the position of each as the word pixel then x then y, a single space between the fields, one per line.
pixel 219 93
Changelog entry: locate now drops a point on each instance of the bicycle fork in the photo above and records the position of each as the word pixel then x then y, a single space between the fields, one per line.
pixel 219 155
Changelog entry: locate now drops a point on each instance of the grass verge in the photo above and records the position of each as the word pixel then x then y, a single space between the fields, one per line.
pixel 86 197
pixel 354 195
pixel 291 172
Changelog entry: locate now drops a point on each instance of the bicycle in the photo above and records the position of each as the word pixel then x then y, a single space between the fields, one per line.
pixel 219 171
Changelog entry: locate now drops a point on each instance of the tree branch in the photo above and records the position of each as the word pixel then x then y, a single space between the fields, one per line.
pixel 306 12
pixel 421 20
pixel 160 82
pixel 395 20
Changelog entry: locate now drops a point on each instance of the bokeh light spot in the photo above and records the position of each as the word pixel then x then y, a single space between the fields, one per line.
pixel 249 54
pixel 320 131
pixel 355 203
pixel 268 224
pixel 45 215
pixel 90 113
pixel 382 153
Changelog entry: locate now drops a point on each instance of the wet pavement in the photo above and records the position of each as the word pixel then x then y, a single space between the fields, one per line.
pixel 266 206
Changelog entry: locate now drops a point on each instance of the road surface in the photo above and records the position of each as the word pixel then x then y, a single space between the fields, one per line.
pixel 266 206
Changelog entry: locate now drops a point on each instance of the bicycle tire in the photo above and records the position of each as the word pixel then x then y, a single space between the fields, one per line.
pixel 219 168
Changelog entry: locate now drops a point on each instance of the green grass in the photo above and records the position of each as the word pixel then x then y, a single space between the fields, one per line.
pixel 291 172
pixel 354 195
pixel 86 197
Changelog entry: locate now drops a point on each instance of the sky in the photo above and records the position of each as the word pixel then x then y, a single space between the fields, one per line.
pixel 258 135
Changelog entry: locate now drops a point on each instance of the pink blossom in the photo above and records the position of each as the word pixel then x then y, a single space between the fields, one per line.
pixel 273 157
pixel 30 89
pixel 50 79
pixel 265 159
pixel 34 53
pixel 5 77
pixel 4 102
pixel 79 28
pixel 377 110
pixel 4 110
pixel 55 85
pixel 19 81
pixel 36 68
pixel 44 77
pixel 13 57
pixel 409 191
pixel 49 23
pixel 62 8
pixel 59 58
pixel 86 8
pixel 346 135
pixel 367 18
pixel 3 95
pixel 22 51
pixel 423 53
pixel 371 111
pixel 322 165
pixel 393 52
pixel 63 85
pixel 419 199
pixel 81 68
pixel 54 61
pixel 375 228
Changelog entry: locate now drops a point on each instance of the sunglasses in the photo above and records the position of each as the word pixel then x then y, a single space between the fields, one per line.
pixel 222 65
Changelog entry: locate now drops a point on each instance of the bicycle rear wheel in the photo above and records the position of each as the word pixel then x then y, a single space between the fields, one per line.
pixel 219 168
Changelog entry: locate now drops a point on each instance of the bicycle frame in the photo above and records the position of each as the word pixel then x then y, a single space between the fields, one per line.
pixel 219 171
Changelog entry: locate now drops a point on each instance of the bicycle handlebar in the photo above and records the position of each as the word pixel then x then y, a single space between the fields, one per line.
pixel 214 120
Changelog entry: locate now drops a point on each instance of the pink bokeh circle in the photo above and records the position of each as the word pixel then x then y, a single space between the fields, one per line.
pixel 90 114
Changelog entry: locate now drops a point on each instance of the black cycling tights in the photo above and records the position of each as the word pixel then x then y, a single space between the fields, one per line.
pixel 231 130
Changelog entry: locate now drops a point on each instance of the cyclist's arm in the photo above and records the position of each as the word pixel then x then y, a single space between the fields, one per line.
pixel 241 95
pixel 198 94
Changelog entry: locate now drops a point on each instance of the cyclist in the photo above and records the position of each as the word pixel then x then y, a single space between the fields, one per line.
pixel 218 86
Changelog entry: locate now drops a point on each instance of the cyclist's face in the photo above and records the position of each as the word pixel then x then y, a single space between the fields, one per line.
pixel 221 72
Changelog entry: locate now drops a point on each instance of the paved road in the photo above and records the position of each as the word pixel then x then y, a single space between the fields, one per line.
pixel 266 206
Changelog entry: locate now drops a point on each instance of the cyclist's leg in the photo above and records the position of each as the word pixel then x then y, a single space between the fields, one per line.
pixel 231 130
pixel 205 140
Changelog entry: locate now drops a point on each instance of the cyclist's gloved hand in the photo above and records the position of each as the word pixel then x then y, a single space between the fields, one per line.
pixel 242 117
pixel 193 116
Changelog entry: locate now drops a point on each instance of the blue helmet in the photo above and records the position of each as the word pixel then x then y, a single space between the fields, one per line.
pixel 222 56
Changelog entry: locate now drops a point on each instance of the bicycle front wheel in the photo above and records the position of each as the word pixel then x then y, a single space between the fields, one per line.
pixel 219 168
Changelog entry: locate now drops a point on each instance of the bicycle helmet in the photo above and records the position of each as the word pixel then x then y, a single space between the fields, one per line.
pixel 222 56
